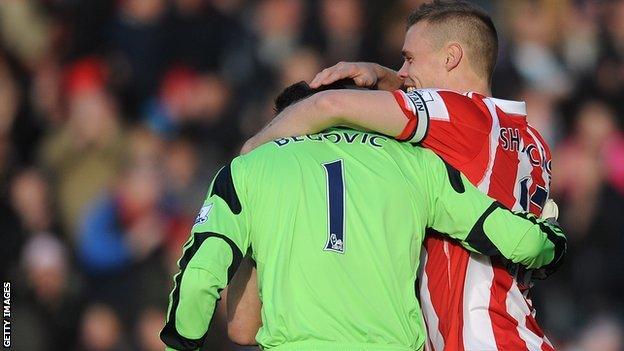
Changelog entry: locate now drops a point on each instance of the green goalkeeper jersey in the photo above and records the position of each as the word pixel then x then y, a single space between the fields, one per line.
pixel 335 223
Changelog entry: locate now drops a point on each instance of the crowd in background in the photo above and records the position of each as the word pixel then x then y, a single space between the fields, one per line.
pixel 115 115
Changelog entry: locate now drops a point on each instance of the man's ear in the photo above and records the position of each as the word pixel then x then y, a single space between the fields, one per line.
pixel 454 55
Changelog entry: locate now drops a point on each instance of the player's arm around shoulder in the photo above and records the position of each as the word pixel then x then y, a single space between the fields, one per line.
pixel 483 225
pixel 362 109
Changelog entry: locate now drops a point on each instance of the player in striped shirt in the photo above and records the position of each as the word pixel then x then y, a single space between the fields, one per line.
pixel 470 302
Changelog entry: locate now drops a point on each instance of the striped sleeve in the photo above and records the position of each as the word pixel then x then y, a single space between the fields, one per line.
pixel 415 109
pixel 483 225
pixel 211 256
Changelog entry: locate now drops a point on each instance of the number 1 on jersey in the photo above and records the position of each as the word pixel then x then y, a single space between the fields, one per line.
pixel 335 206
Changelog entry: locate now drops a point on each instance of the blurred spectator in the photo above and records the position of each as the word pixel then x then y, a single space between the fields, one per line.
pixel 9 94
pixel 126 223
pixel 581 41
pixel 393 33
pixel 149 325
pixel 199 106
pixel 345 34
pixel 533 54
pixel 593 156
pixel 30 197
pixel 10 154
pixel 140 42
pixel 24 30
pixel 101 330
pixel 303 64
pixel 201 34
pixel 279 28
pixel 603 333
pixel 32 212
pixel 82 28
pixel 123 230
pixel 586 178
pixel 47 95
pixel 85 153
pixel 51 295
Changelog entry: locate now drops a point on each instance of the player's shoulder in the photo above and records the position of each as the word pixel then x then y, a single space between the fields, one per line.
pixel 448 105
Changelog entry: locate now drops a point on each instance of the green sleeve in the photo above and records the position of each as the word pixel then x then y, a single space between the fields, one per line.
pixel 482 225
pixel 219 238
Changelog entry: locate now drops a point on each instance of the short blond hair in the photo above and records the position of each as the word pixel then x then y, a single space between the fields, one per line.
pixel 467 23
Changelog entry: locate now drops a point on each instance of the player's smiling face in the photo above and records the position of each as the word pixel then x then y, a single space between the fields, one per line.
pixel 423 65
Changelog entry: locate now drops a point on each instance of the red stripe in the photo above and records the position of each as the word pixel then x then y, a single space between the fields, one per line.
pixel 446 287
pixel 408 131
pixel 505 167
pixel 531 324
pixel 502 183
pixel 412 120
pixel 504 325
pixel 546 347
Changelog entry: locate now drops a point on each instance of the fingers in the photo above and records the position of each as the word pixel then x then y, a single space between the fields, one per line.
pixel 335 76
pixel 322 77
pixel 364 81
pixel 339 71
pixel 550 210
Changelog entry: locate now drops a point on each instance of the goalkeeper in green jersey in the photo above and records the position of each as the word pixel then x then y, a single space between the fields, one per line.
pixel 335 223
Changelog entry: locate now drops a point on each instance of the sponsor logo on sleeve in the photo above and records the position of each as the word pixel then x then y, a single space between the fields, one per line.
pixel 204 212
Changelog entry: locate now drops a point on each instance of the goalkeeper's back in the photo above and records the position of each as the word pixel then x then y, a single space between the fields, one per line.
pixel 336 225
pixel 336 235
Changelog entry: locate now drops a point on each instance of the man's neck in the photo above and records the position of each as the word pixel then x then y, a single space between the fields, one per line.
pixel 479 87
pixel 468 81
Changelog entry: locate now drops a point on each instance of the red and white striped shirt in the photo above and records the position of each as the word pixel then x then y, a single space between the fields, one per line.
pixel 470 301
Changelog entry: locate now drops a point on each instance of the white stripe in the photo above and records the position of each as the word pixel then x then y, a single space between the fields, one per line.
pixel 436 106
pixel 431 318
pixel 408 102
pixel 548 342
pixel 477 331
pixel 523 171
pixel 518 309
pixel 418 106
pixel 484 183
pixel 421 129
pixel 542 151
pixel 511 107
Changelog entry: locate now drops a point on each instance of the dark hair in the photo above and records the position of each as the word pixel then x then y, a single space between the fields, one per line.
pixel 468 19
pixel 302 90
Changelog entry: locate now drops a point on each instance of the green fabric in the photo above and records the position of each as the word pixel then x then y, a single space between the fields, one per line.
pixel 364 298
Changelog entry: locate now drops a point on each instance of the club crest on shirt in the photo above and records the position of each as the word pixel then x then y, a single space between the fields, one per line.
pixel 204 212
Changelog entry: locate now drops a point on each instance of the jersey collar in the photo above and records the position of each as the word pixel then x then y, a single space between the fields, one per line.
pixel 511 107
pixel 508 106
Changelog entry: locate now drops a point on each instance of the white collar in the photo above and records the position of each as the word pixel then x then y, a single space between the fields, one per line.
pixel 508 106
